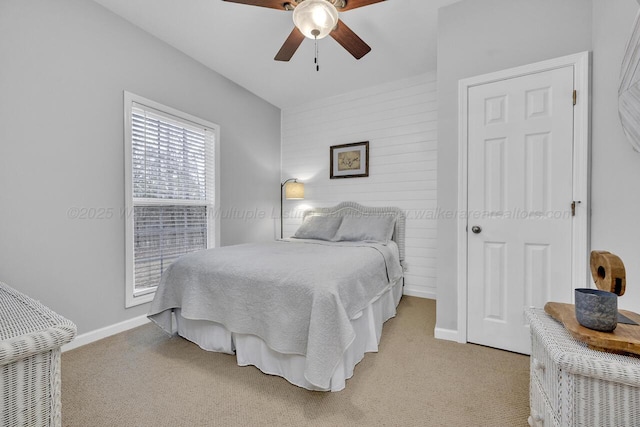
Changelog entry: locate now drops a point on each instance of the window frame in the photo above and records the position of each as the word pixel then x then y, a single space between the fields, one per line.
pixel 133 298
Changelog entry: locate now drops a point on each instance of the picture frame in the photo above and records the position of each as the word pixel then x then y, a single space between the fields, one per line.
pixel 349 160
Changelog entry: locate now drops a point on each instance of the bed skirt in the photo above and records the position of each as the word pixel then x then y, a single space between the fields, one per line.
pixel 251 350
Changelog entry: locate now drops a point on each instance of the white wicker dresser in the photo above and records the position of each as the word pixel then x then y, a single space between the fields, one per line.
pixel 30 339
pixel 572 385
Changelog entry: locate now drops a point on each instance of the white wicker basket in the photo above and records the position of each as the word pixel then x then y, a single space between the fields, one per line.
pixel 30 339
pixel 573 385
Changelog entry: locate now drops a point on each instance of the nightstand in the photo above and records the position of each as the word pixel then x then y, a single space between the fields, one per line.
pixel 573 385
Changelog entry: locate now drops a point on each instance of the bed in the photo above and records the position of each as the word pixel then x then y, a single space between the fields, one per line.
pixel 306 308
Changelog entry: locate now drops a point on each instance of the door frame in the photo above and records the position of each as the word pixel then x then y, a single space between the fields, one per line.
pixel 581 63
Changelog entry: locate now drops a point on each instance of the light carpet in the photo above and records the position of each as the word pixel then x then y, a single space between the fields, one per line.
pixel 143 377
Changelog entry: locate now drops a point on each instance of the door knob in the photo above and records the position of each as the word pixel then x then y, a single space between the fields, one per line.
pixel 476 229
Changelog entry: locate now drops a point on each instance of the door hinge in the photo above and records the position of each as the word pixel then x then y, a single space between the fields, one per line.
pixel 575 97
pixel 573 207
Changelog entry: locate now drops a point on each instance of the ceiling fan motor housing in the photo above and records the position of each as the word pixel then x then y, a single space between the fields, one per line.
pixel 339 4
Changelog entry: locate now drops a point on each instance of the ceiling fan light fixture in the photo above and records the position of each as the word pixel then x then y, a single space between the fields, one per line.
pixel 315 18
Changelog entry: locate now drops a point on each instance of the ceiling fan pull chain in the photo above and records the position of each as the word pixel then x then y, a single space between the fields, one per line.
pixel 316 60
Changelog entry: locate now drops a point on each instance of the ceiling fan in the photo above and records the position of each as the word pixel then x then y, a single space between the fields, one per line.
pixel 316 19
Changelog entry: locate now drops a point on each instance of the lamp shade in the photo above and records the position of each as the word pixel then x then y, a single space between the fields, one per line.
pixel 294 190
pixel 315 18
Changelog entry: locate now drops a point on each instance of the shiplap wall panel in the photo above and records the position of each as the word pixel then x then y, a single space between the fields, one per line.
pixel 399 119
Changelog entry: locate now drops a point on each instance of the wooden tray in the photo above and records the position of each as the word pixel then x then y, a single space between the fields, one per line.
pixel 625 339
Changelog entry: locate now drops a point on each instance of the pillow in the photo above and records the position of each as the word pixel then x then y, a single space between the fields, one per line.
pixel 318 227
pixel 377 228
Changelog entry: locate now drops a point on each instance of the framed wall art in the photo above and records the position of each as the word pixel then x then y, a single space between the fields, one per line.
pixel 349 160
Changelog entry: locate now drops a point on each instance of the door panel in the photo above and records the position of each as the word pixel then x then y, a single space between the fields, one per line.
pixel 520 145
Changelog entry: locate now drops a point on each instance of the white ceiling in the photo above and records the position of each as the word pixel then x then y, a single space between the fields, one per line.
pixel 240 41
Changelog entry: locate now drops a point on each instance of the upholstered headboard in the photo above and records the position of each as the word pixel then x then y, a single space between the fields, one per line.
pixel 353 208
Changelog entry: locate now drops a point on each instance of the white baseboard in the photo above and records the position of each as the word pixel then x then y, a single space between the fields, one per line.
pixel 418 292
pixel 446 334
pixel 105 332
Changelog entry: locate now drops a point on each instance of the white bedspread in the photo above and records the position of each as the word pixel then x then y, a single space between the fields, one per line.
pixel 298 296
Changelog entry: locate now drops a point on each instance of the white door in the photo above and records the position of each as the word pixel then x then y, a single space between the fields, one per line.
pixel 520 151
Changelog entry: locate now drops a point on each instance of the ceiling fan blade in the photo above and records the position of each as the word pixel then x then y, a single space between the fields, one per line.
pixel 350 40
pixel 273 4
pixel 353 4
pixel 290 45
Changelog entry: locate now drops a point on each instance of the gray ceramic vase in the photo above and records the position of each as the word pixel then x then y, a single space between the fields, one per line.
pixel 596 309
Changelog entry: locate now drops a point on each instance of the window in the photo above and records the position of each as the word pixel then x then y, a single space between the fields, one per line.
pixel 170 189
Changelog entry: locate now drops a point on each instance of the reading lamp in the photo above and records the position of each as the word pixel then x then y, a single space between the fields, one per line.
pixel 293 190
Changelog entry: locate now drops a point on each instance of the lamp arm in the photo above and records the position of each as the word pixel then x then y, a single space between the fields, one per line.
pixel 285 183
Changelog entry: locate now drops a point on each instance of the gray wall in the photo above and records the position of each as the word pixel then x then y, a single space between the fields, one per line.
pixel 477 37
pixel 63 67
pixel 615 178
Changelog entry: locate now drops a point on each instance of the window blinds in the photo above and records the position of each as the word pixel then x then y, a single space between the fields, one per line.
pixel 161 235
pixel 172 179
